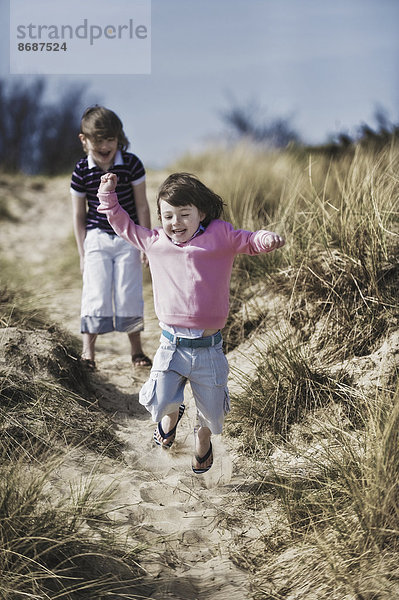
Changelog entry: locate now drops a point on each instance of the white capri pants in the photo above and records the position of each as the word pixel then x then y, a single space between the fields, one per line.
pixel 205 368
pixel 112 295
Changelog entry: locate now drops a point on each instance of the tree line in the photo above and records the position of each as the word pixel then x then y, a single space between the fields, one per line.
pixel 40 136
pixel 37 135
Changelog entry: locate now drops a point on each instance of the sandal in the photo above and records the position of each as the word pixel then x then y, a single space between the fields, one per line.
pixel 171 433
pixel 139 358
pixel 202 459
pixel 88 363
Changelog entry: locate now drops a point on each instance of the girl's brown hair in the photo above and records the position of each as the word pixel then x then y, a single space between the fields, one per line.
pixel 99 123
pixel 181 189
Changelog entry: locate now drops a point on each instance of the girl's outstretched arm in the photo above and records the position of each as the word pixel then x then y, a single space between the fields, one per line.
pixel 252 242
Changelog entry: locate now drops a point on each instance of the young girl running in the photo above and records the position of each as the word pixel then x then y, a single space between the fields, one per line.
pixel 191 259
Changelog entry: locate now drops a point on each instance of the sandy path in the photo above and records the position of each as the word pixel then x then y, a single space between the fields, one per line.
pixel 183 517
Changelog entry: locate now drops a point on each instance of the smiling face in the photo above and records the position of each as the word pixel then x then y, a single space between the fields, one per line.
pixel 180 222
pixel 102 150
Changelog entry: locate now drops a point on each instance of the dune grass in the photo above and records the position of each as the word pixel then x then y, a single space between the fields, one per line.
pixel 54 545
pixel 340 220
pixel 289 383
pixel 340 508
pixel 326 448
pixel 59 548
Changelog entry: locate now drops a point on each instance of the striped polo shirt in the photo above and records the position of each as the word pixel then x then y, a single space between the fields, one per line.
pixel 86 179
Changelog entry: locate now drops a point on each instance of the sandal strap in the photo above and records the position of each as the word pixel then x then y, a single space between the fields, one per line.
pixel 205 457
pixel 164 435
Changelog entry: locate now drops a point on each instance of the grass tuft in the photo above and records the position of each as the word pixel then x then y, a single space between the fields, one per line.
pixel 60 548
pixel 288 384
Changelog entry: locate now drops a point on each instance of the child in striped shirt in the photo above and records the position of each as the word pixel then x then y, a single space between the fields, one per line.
pixel 112 296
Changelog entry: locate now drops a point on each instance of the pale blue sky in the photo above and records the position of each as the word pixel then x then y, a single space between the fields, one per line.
pixel 326 64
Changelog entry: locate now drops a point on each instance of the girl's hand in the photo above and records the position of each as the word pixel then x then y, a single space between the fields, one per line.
pixel 108 182
pixel 273 241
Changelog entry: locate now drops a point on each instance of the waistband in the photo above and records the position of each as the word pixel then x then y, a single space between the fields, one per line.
pixel 101 230
pixel 203 342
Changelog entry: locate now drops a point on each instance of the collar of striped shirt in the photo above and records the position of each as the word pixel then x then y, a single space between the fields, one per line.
pixel 118 160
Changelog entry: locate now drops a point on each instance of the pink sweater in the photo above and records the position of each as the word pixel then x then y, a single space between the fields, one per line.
pixel 191 282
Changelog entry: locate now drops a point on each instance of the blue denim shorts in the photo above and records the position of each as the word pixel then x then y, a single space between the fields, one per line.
pixel 205 368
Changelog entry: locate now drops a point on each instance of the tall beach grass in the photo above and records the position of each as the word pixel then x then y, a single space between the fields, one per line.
pixel 325 446
pixel 54 544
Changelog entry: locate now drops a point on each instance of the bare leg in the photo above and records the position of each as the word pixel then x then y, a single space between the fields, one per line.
pixel 89 341
pixel 135 342
pixel 136 348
